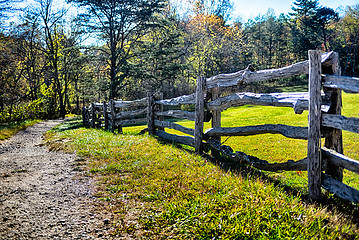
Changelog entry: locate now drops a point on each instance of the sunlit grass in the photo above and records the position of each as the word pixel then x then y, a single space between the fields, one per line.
pixel 159 191
pixel 277 148
pixel 8 130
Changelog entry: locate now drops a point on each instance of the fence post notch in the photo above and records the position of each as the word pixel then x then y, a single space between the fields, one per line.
pixel 315 101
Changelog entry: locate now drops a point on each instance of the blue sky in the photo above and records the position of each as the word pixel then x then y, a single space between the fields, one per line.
pixel 251 8
pixel 243 9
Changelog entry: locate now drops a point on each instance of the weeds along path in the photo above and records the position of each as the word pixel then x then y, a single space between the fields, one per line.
pixel 42 196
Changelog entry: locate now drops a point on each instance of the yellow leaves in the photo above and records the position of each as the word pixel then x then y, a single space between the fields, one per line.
pixel 208 23
pixel 351 20
pixel 349 26
pixel 47 91
pixel 211 37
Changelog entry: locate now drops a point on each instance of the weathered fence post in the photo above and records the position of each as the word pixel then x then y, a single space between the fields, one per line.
pixel 113 115
pixel 314 156
pixel 84 120
pixel 93 115
pixel 159 108
pixel 334 137
pixel 160 97
pixel 105 116
pixel 198 131
pixel 150 114
pixel 119 126
pixel 216 116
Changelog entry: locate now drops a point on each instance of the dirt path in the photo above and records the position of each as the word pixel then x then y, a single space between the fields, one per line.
pixel 42 196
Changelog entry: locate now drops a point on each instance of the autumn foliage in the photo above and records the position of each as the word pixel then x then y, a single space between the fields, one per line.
pixel 47 66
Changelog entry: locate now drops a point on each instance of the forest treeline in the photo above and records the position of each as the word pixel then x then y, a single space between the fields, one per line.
pixel 137 46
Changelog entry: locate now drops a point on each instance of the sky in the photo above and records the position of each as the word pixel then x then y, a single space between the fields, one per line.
pixel 247 9
pixel 243 9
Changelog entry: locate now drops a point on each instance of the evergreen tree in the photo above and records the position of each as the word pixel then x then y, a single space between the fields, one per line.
pixel 347 41
pixel 305 27
pixel 325 16
pixel 121 24
pixel 164 52
pixel 158 60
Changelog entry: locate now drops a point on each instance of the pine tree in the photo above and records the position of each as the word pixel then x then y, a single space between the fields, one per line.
pixel 305 26
pixel 120 24
pixel 325 16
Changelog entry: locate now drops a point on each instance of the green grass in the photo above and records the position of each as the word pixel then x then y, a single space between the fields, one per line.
pixel 276 148
pixel 8 130
pixel 159 191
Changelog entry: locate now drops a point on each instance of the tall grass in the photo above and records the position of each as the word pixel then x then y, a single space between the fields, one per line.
pixel 160 191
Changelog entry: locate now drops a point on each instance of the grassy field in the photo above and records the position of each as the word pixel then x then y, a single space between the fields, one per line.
pixel 159 191
pixel 275 147
pixel 8 130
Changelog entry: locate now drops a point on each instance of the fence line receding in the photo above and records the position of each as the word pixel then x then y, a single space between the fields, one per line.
pixel 323 101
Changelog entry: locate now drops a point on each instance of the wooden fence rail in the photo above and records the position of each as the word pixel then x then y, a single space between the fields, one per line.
pixel 324 164
pixel 114 114
pixel 159 124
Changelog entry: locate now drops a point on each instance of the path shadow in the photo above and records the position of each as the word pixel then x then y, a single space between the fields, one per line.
pixel 69 124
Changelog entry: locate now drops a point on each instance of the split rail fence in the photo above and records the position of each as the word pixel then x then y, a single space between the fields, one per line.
pixel 114 114
pixel 323 100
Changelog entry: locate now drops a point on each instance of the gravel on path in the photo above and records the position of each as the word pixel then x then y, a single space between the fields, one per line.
pixel 42 195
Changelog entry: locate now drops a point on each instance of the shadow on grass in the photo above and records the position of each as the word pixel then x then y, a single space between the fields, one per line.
pixel 328 201
pixel 349 209
pixel 69 124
